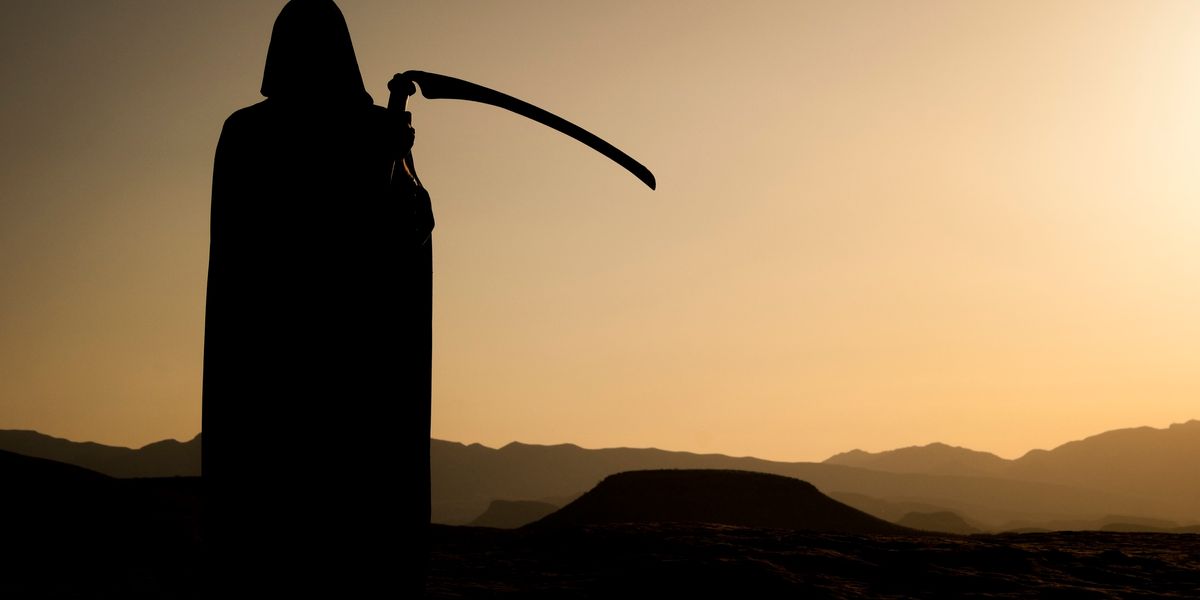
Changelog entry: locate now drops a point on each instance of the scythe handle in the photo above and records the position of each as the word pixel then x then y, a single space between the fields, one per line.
pixel 404 171
pixel 402 89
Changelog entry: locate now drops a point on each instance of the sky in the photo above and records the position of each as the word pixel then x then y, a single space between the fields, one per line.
pixel 878 224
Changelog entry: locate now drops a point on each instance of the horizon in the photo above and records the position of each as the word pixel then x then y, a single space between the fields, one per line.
pixel 731 455
pixel 895 224
pixel 856 448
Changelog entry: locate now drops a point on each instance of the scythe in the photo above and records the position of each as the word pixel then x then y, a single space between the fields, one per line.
pixel 434 86
pixel 406 183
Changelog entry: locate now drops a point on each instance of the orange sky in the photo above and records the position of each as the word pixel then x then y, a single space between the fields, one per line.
pixel 878 224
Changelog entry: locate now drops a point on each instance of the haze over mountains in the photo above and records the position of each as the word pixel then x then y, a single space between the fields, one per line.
pixel 934 459
pixel 1141 477
pixel 80 534
pixel 1136 474
pixel 1138 461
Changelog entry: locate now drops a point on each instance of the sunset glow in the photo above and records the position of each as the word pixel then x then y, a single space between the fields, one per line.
pixel 877 224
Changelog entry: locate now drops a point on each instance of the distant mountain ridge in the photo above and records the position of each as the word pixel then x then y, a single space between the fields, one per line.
pixel 1136 461
pixel 936 458
pixel 1141 472
pixel 168 458
pixel 467 478
pixel 1133 460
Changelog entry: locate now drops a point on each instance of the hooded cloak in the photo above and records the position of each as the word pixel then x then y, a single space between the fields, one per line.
pixel 315 421
pixel 311 54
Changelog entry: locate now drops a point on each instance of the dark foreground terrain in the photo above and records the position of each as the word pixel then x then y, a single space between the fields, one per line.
pixel 71 533
pixel 683 560
pixel 678 560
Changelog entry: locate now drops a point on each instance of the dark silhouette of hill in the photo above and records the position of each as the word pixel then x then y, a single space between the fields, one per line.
pixel 511 514
pixel 942 521
pixel 936 459
pixel 20 470
pixel 168 458
pixel 467 478
pixel 740 498
pixel 72 532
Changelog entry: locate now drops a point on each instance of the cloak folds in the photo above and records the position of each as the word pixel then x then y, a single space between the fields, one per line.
pixel 315 413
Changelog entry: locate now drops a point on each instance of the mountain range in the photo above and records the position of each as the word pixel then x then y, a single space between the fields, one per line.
pixel 168 458
pixel 1141 461
pixel 1133 475
pixel 1140 477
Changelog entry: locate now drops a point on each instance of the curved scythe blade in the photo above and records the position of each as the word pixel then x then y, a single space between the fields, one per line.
pixel 434 86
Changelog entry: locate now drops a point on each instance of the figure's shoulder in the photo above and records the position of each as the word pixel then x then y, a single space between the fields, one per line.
pixel 268 119
pixel 244 117
pixel 267 110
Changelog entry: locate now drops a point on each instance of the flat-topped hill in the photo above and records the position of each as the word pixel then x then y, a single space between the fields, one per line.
pixel 739 498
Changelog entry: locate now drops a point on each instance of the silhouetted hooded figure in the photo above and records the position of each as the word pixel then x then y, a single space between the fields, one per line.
pixel 315 415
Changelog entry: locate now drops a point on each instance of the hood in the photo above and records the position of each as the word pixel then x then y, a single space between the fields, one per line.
pixel 311 55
